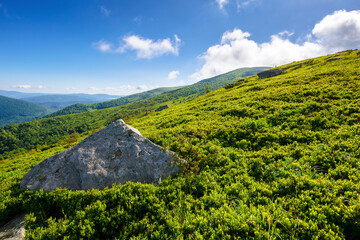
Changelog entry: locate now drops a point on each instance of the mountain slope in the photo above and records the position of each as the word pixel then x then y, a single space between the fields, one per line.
pixel 59 101
pixel 50 130
pixel 78 108
pixel 175 94
pixel 277 157
pixel 15 111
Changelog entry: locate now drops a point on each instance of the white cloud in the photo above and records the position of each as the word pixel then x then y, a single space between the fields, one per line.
pixel 26 86
pixel 125 88
pixel 138 20
pixel 40 87
pixel 222 3
pixel 173 75
pixel 244 4
pixel 340 30
pixel 148 48
pixel 336 32
pixel 70 88
pixel 144 48
pixel 110 89
pixel 102 46
pixel 93 88
pixel 105 11
pixel 142 87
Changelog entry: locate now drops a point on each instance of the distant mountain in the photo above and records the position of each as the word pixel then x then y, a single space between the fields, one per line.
pixel 163 95
pixel 78 108
pixel 59 101
pixel 19 95
pixel 17 111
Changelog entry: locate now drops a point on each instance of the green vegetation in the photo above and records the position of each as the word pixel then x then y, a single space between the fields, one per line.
pixel 268 158
pixel 79 108
pixel 48 131
pixel 15 111
pixel 175 94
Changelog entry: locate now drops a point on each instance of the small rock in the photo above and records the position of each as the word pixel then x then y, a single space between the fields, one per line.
pixel 116 154
pixel 15 229
pixel 270 73
pixel 162 108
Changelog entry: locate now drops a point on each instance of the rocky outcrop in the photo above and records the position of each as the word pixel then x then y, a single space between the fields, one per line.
pixel 116 154
pixel 15 229
pixel 162 108
pixel 270 73
pixel 332 59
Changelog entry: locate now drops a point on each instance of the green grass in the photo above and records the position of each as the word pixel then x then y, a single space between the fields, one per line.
pixel 268 158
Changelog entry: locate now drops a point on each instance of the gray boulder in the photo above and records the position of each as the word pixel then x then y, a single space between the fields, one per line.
pixel 162 108
pixel 116 154
pixel 270 73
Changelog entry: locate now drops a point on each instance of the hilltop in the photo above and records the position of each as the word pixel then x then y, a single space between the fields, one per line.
pixel 274 157
pixel 15 111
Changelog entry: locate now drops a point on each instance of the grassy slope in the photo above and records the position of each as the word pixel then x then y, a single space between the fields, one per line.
pixel 15 111
pixel 79 108
pixel 51 130
pixel 268 158
pixel 174 93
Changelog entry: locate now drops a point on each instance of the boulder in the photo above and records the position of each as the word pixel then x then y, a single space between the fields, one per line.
pixel 114 155
pixel 162 108
pixel 15 229
pixel 270 73
pixel 332 59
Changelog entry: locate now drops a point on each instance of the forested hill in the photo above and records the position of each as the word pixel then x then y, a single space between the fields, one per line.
pixel 15 111
pixel 270 158
pixel 175 93
pixel 79 108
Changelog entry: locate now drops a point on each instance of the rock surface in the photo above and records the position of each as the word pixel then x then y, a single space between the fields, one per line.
pixel 15 229
pixel 332 59
pixel 115 154
pixel 162 108
pixel 270 73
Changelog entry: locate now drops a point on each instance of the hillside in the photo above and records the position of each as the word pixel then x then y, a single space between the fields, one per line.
pixel 15 111
pixel 60 101
pixel 79 108
pixel 176 94
pixel 277 158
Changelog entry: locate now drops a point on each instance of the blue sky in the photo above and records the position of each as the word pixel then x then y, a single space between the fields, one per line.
pixel 122 46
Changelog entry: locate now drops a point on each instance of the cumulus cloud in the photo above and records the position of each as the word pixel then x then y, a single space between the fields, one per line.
pixel 144 48
pixel 222 3
pixel 173 75
pixel 25 86
pixel 142 87
pixel 93 88
pixel 340 30
pixel 148 48
pixel 105 11
pixel 102 46
pixel 244 4
pixel 40 87
pixel 336 32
